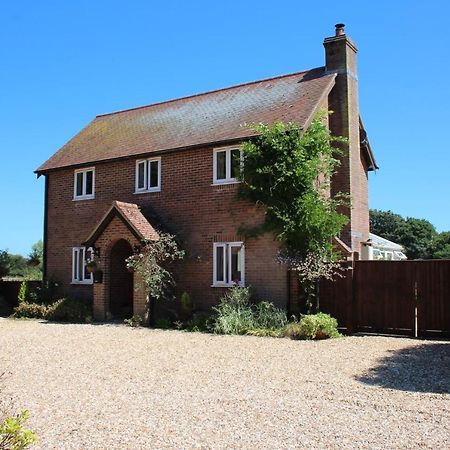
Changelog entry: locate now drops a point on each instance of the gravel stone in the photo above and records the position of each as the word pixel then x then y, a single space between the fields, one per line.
pixel 115 387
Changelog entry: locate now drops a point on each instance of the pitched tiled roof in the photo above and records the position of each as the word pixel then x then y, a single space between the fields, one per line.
pixel 212 117
pixel 132 217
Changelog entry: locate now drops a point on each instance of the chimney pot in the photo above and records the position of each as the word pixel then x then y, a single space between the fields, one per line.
pixel 340 29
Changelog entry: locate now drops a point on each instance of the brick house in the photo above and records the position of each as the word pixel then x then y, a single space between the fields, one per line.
pixel 173 165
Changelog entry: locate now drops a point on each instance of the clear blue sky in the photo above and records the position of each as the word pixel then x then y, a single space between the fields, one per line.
pixel 64 62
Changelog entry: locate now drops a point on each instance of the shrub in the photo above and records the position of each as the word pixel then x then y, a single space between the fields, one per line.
pixel 70 310
pixel 269 317
pixel 293 331
pixel 24 292
pixel 135 321
pixel 199 323
pixel 313 326
pixel 266 332
pixel 45 292
pixel 235 315
pixel 30 311
pixel 14 435
pixel 163 324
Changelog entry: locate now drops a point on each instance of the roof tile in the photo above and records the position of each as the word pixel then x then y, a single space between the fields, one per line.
pixel 212 117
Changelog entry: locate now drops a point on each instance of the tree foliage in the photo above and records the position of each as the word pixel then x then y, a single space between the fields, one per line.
pixel 151 264
pixel 19 266
pixel 440 246
pixel 288 172
pixel 418 237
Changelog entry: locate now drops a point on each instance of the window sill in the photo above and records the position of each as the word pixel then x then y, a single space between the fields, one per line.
pixel 227 285
pixel 147 192
pixel 77 199
pixel 82 283
pixel 221 183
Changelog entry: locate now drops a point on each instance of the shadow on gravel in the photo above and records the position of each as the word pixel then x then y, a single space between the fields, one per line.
pixel 423 368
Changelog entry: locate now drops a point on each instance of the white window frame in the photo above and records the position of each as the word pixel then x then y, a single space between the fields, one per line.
pixel 146 188
pixel 227 246
pixel 76 278
pixel 228 179
pixel 83 195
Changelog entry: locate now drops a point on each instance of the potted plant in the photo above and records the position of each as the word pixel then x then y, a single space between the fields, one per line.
pixel 92 264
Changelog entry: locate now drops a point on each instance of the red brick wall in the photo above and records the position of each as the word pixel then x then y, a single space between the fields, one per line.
pixel 196 211
pixel 351 177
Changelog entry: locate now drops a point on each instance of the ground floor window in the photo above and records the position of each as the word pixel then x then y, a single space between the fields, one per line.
pixel 79 273
pixel 229 264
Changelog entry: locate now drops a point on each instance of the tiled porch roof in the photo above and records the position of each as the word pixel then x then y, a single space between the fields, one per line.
pixel 132 216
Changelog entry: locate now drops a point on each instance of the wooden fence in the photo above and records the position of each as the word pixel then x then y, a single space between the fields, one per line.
pixel 395 297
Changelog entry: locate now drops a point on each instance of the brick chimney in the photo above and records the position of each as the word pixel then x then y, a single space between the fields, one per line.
pixel 351 177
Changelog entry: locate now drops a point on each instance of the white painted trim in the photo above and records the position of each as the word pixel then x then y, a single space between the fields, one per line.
pixel 227 150
pixel 147 176
pixel 83 196
pixel 227 263
pixel 76 266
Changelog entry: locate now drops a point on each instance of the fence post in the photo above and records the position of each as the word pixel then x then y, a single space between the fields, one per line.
pixel 353 307
pixel 416 300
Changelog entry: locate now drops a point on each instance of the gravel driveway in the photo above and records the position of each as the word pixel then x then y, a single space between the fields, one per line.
pixel 113 387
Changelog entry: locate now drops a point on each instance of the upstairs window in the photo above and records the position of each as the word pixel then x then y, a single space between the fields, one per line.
pixel 227 165
pixel 84 184
pixel 79 273
pixel 148 175
pixel 229 264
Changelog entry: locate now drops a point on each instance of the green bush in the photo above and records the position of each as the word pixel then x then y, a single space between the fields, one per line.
pixel 266 332
pixel 44 293
pixel 14 435
pixel 70 310
pixel 313 326
pixel 135 321
pixel 24 292
pixel 199 323
pixel 267 316
pixel 235 315
pixel 30 311
pixel 163 324
pixel 64 309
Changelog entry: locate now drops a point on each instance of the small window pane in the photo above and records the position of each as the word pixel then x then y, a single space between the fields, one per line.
pixel 235 162
pixel 75 264
pixel 236 275
pixel 89 182
pixel 141 175
pixel 221 165
pixel 153 169
pixel 219 263
pixel 79 183
pixel 80 264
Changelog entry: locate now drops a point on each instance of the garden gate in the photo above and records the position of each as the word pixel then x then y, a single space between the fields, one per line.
pixel 395 297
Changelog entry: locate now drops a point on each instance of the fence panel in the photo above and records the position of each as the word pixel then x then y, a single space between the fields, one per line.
pixel 433 288
pixel 384 296
pixel 336 299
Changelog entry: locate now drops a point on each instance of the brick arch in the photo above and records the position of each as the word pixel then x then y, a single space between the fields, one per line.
pixel 113 233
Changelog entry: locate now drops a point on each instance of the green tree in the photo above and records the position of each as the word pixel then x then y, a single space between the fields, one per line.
pixel 288 171
pixel 385 224
pixel 35 257
pixel 415 235
pixel 440 246
pixel 19 266
pixel 4 263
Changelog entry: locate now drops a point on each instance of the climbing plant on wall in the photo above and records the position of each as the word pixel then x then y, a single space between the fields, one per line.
pixel 288 170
